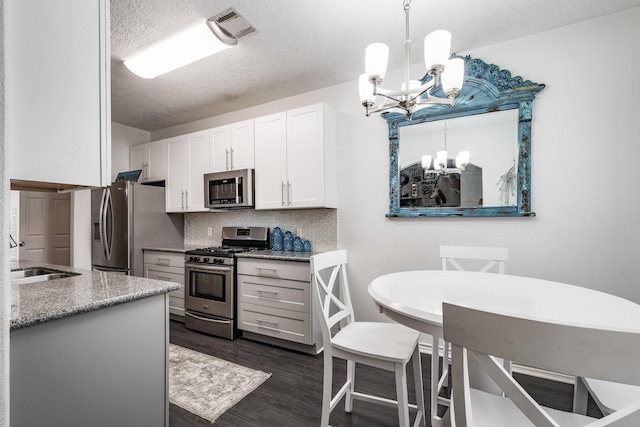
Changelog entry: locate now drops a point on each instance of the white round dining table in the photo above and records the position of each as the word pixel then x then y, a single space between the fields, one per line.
pixel 414 299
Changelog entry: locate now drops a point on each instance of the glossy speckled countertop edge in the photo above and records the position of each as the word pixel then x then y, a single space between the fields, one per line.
pixel 177 248
pixel 39 302
pixel 278 255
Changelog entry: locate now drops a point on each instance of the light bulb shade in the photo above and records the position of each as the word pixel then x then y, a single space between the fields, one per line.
pixel 177 51
pixel 366 90
pixel 426 162
pixel 462 159
pixel 375 60
pixel 441 158
pixel 437 47
pixel 453 76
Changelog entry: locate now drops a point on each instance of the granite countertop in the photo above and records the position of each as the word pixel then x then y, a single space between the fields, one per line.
pixel 278 255
pixel 33 303
pixel 177 248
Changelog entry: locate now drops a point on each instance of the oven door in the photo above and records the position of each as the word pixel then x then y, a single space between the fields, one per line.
pixel 209 289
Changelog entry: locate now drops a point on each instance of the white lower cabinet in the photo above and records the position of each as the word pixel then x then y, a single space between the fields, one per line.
pixel 275 303
pixel 167 266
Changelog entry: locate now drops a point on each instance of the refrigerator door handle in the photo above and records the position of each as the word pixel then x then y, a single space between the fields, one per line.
pixel 109 211
pixel 102 222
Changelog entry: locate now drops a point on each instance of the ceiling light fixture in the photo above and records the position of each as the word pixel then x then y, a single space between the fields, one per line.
pixel 413 95
pixel 181 49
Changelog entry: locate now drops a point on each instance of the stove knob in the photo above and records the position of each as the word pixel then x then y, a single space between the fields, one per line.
pixel 218 261
pixel 193 259
pixel 205 260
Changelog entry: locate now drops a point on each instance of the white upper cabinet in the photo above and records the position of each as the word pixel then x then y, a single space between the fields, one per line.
pixel 151 158
pixel 296 159
pixel 188 159
pixel 233 146
pixel 58 110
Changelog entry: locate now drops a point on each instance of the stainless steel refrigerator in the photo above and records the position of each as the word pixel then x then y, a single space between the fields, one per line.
pixel 127 217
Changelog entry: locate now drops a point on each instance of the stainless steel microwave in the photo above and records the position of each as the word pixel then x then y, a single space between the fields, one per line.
pixel 231 189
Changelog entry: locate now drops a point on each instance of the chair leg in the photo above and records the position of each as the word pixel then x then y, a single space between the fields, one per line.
pixel 326 388
pixel 435 377
pixel 351 377
pixel 580 397
pixel 446 362
pixel 417 376
pixel 401 391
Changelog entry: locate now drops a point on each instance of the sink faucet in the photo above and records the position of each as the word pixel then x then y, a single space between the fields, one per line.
pixel 13 244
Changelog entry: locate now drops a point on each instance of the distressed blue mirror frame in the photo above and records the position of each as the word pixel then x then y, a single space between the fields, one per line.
pixel 486 89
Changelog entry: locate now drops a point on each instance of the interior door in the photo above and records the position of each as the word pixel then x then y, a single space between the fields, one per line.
pixel 45 227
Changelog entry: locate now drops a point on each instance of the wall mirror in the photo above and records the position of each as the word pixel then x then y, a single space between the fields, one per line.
pixel 487 137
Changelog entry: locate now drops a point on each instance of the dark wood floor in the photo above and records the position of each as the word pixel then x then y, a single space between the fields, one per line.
pixel 292 396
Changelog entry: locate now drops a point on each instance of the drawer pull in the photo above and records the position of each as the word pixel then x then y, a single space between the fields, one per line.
pixel 168 279
pixel 261 292
pixel 271 322
pixel 275 270
pixel 163 261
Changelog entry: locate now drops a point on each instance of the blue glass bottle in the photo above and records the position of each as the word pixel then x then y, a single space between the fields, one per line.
pixel 288 241
pixel 297 244
pixel 306 246
pixel 277 239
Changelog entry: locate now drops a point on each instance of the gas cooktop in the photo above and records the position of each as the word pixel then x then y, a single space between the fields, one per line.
pixel 223 251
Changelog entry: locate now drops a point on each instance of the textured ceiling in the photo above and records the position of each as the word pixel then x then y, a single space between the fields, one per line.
pixel 302 45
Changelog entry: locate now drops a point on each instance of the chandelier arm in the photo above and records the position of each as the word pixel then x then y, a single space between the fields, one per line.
pixel 416 91
pixel 383 107
pixel 432 100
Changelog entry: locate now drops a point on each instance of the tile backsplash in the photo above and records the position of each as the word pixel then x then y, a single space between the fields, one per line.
pixel 319 226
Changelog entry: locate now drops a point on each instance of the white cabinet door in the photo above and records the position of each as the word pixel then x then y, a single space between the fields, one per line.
pixel 58 111
pixel 271 161
pixel 296 159
pixel 139 159
pixel 242 145
pixel 198 164
pixel 221 147
pixel 156 160
pixel 232 147
pixel 176 171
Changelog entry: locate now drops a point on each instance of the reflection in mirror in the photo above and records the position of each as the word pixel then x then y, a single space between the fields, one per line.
pixel 487 180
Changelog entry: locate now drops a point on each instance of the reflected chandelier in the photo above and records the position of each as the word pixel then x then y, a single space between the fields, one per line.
pixel 413 95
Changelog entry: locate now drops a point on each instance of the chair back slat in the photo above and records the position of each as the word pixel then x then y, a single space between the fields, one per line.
pixel 569 349
pixel 566 348
pixel 450 255
pixel 332 299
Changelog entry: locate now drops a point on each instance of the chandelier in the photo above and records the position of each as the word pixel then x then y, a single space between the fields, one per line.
pixel 440 164
pixel 413 95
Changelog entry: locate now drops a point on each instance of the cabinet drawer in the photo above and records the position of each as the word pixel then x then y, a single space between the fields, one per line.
pixel 291 270
pixel 285 294
pixel 170 274
pixel 167 259
pixel 284 324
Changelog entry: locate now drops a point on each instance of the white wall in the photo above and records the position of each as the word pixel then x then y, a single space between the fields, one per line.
pixel 585 233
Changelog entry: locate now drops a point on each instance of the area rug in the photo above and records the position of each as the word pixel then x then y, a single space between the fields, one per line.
pixel 207 386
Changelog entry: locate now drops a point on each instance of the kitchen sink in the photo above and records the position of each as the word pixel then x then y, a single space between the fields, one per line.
pixel 38 274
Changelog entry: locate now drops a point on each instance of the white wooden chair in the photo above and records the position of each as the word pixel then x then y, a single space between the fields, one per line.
pixel 387 346
pixel 464 258
pixel 609 397
pixel 566 348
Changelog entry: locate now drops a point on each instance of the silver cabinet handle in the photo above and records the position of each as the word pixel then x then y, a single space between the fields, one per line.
pixel 231 162
pixel 289 193
pixel 163 261
pixel 186 199
pixel 226 159
pixel 282 191
pixel 262 291
pixel 275 324
pixel 165 278
pixel 182 200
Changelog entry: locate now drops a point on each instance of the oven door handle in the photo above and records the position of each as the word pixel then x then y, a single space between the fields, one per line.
pixel 197 267
pixel 226 322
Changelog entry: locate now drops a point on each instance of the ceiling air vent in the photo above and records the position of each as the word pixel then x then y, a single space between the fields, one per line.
pixel 234 23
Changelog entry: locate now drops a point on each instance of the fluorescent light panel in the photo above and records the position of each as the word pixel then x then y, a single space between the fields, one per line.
pixel 177 51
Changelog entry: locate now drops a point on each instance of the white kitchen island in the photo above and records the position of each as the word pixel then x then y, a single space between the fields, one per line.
pixel 91 349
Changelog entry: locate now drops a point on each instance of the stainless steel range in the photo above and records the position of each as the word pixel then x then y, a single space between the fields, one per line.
pixel 210 281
